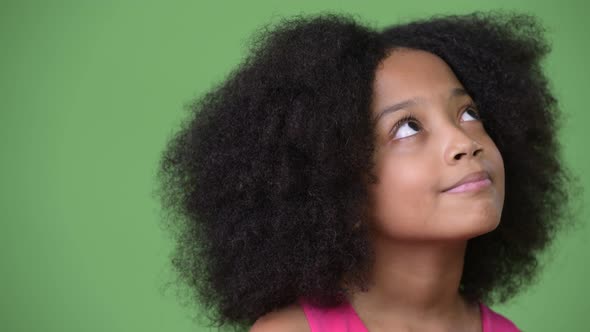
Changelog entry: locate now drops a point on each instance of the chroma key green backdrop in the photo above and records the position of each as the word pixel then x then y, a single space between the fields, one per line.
pixel 91 90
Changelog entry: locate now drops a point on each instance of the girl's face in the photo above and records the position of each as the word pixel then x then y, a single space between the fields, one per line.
pixel 416 160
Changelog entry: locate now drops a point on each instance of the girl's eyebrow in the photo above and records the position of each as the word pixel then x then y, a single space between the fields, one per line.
pixel 455 92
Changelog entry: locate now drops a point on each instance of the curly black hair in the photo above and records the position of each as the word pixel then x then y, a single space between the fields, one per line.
pixel 266 181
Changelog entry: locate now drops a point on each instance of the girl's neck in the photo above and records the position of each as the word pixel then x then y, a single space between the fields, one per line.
pixel 415 284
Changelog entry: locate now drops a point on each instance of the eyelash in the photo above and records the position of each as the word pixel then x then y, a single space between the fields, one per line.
pixel 411 117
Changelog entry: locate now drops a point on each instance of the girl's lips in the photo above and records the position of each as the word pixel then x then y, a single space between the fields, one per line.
pixel 471 177
pixel 471 186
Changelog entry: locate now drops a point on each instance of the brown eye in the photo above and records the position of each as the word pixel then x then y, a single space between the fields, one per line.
pixel 473 112
pixel 400 130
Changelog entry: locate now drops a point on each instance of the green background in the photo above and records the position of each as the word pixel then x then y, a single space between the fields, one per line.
pixel 90 91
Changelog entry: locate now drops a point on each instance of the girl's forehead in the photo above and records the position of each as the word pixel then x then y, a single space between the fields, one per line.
pixel 407 68
pixel 417 76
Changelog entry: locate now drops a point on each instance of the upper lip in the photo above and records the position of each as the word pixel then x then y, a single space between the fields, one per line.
pixel 471 177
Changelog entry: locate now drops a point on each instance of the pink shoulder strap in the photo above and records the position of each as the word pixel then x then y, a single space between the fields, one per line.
pixel 495 322
pixel 342 318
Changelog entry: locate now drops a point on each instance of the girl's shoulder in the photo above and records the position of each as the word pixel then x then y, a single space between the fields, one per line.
pixel 495 322
pixel 332 319
pixel 288 319
pixel 303 316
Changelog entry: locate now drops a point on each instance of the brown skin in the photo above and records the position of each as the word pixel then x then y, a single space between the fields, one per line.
pixel 419 233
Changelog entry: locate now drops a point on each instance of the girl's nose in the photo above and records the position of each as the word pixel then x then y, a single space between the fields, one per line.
pixel 461 146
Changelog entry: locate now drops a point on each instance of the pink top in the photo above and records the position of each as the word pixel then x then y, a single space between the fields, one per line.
pixel 344 319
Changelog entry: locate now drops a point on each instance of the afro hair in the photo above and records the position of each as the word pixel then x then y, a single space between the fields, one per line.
pixel 267 178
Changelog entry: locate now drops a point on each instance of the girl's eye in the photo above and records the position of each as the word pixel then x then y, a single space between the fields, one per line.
pixel 406 126
pixel 401 130
pixel 473 110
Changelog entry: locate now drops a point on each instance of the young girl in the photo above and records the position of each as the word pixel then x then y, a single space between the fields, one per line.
pixel 348 179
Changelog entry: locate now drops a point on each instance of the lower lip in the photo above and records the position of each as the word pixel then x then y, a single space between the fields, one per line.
pixel 471 186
